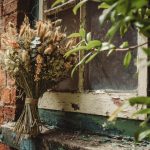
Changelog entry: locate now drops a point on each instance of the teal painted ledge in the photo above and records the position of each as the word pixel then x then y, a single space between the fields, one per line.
pixel 88 123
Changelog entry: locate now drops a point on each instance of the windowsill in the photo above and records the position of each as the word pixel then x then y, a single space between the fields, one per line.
pixel 94 103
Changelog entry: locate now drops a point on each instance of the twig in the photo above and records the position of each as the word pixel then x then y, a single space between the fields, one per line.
pixel 131 47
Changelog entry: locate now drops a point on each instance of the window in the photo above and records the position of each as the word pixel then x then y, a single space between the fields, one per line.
pixel 105 83
pixel 109 72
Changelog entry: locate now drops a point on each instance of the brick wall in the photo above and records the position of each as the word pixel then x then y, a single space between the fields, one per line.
pixel 8 12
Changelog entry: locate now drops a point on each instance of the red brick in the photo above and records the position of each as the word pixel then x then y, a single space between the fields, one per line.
pixel 10 81
pixel 8 13
pixel 9 6
pixel 8 1
pixel 10 18
pixel 1 9
pixel 1 25
pixel 2 78
pixel 1 115
pixel 13 96
pixel 6 95
pixel 9 113
pixel 1 111
pixel 4 147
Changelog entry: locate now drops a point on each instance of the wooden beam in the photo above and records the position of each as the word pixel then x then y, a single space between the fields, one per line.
pixel 60 8
pixel 88 103
pixel 81 53
pixel 142 67
pixel 41 9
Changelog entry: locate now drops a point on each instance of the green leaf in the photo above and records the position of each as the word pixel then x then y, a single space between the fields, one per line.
pixel 103 6
pixel 93 44
pixel 80 4
pixel 147 51
pixel 106 12
pixel 80 63
pixel 74 35
pixel 89 37
pixel 143 134
pixel 124 45
pixel 107 46
pixel 139 100
pixel 72 51
pixel 123 7
pixel 128 18
pixel 145 122
pixel 139 3
pixel 127 59
pixel 143 111
pixel 113 30
pixel 57 2
pixel 82 33
pixel 123 29
pixel 91 57
pixel 113 16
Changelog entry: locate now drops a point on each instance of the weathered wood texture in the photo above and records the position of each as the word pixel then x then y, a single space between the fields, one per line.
pixel 89 103
pixel 41 10
pixel 142 67
pixel 60 8
pixel 83 21
pixel 81 122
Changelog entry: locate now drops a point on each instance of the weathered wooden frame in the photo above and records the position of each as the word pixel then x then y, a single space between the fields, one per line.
pixel 99 102
pixel 62 7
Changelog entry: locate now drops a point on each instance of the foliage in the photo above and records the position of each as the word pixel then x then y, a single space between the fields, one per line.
pixel 123 14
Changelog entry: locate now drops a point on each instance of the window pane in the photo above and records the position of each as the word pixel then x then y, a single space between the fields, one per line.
pixel 108 72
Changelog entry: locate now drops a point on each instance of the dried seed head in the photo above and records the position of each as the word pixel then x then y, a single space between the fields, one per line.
pixel 70 43
pixel 22 30
pixel 10 24
pixel 39 24
pixel 68 65
pixel 48 35
pixel 26 20
pixel 49 25
pixel 43 31
pixel 57 22
pixel 25 56
pixel 49 50
pixel 39 59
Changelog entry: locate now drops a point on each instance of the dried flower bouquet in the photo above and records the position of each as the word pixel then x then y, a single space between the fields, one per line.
pixel 35 57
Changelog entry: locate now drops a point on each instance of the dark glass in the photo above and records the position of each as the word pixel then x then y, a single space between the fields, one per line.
pixel 108 72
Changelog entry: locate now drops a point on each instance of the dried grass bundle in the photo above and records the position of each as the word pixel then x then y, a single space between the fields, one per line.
pixel 35 57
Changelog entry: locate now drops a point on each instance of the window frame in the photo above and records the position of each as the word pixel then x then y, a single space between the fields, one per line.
pixel 108 101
